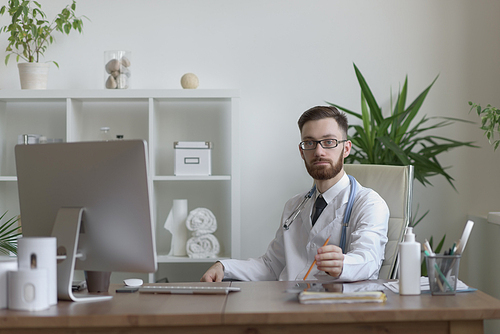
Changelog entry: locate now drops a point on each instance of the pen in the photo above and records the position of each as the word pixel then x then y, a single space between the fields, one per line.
pixel 427 246
pixel 447 268
pixel 314 262
pixel 453 248
pixel 443 277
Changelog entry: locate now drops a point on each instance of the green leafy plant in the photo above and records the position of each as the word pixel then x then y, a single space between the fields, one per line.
pixel 490 122
pixel 395 140
pixel 398 139
pixel 9 232
pixel 30 33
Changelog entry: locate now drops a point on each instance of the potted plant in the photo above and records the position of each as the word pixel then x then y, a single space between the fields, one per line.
pixel 490 122
pixel 30 33
pixel 395 140
pixel 9 232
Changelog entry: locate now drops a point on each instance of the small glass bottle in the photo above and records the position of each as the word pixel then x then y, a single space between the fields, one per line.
pixel 105 135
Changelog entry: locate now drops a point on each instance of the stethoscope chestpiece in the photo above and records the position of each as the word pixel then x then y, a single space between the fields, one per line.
pixel 298 209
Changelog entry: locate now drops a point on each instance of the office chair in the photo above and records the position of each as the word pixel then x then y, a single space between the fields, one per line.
pixel 395 185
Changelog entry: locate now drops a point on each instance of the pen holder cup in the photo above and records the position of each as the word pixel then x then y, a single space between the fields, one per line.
pixel 443 273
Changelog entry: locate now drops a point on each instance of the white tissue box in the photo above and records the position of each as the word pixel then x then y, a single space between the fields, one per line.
pixel 193 158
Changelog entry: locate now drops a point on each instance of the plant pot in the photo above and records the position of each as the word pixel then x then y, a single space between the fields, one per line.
pixel 97 281
pixel 33 75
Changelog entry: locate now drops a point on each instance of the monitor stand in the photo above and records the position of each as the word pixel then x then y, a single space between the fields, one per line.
pixel 67 230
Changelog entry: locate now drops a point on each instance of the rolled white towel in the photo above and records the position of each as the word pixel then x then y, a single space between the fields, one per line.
pixel 201 221
pixel 202 247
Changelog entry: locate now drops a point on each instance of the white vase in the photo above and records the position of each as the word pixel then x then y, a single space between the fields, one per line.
pixel 33 75
pixel 176 225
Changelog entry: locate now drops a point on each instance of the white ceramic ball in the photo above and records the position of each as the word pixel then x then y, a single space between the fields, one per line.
pixel 189 81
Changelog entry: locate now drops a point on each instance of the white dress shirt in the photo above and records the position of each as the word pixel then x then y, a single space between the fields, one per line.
pixel 291 252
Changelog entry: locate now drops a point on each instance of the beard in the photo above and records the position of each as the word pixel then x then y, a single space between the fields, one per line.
pixel 325 172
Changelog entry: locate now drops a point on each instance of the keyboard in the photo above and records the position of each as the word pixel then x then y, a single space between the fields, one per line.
pixel 188 289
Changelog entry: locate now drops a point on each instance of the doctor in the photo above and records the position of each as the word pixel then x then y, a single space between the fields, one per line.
pixel 323 148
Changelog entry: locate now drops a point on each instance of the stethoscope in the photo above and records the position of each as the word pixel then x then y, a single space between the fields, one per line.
pixel 298 209
pixel 347 214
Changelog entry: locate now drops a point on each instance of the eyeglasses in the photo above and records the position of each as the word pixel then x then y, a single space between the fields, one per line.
pixel 325 143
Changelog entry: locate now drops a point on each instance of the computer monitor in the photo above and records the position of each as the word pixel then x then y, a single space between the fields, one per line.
pixel 95 198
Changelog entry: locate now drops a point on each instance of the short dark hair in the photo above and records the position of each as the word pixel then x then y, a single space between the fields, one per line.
pixel 320 112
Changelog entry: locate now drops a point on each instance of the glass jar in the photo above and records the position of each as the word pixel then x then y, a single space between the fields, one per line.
pixel 117 69
pixel 105 134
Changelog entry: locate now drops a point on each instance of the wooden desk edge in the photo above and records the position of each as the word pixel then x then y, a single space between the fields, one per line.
pixel 68 315
pixel 483 307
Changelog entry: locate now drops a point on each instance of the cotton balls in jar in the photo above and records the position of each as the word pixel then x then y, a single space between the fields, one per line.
pixel 189 81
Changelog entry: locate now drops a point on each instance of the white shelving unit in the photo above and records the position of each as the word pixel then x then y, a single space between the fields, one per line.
pixel 158 116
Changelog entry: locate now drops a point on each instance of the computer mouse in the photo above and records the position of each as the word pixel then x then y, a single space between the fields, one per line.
pixel 133 282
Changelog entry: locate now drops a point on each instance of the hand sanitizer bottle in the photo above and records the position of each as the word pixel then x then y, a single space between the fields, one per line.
pixel 409 265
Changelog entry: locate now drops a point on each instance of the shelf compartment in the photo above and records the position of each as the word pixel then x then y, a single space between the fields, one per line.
pixel 215 196
pixel 9 199
pixel 198 120
pixel 128 118
pixel 22 117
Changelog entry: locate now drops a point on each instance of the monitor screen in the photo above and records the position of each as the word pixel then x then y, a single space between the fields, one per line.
pixel 109 180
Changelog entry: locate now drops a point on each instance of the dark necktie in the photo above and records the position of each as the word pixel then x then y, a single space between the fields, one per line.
pixel 319 205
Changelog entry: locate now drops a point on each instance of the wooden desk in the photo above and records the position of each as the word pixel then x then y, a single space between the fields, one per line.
pixel 261 307
pixel 263 304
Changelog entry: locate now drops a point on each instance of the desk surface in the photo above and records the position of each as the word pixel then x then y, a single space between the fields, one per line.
pixel 260 306
pixel 266 302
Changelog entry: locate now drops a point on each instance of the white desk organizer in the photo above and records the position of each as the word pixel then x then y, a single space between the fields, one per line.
pixel 28 290
pixel 40 252
pixel 6 265
pixel 193 158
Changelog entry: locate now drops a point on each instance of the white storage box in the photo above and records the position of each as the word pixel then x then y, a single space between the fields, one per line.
pixel 193 158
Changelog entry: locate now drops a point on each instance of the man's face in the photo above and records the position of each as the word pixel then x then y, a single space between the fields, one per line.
pixel 324 163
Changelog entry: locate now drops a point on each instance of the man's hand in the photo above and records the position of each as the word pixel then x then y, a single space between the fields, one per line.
pixel 214 274
pixel 330 259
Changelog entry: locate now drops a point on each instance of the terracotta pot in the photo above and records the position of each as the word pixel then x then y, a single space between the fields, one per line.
pixel 33 75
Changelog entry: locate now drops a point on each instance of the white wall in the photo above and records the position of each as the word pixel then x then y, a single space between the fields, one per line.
pixel 286 56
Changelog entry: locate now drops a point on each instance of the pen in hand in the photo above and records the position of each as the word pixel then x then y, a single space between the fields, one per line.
pixel 314 262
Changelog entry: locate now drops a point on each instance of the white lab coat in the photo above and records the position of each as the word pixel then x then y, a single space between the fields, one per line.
pixel 292 252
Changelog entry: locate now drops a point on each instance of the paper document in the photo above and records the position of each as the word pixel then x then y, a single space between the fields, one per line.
pixel 312 297
pixel 424 286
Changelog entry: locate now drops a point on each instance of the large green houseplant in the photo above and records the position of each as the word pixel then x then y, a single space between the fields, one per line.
pixel 30 33
pixel 396 138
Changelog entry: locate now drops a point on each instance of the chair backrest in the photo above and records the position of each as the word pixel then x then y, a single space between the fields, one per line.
pixel 395 185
